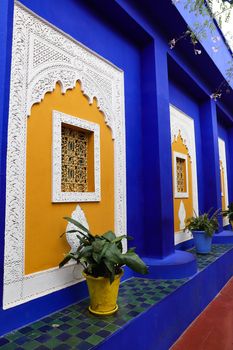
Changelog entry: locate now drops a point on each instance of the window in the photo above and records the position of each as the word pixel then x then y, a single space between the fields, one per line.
pixel 180 175
pixel 76 159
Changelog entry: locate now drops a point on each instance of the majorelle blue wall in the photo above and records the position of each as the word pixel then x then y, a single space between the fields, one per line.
pixel 225 132
pixel 130 40
pixel 186 103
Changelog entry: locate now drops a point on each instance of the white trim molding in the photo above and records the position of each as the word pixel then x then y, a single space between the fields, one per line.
pixel 222 158
pixel 182 124
pixel 42 55
pixel 176 193
pixel 57 194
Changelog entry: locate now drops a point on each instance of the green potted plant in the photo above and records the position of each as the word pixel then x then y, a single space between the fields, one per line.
pixel 102 259
pixel 203 228
pixel 229 213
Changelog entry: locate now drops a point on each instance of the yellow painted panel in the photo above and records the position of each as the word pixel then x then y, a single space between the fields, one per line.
pixel 179 146
pixel 222 186
pixel 44 219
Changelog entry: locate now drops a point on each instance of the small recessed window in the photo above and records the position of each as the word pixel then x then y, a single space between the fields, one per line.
pixel 180 175
pixel 76 159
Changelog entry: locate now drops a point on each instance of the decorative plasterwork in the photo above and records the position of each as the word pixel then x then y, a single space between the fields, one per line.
pixel 184 125
pixel 222 158
pixel 42 56
pixel 71 237
pixel 182 215
pixel 58 195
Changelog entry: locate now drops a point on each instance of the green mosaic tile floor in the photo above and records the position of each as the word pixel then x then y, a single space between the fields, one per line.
pixel 75 328
pixel 203 260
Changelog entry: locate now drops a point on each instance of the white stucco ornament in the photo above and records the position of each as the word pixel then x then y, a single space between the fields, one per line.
pixel 182 215
pixel 183 125
pixel 72 239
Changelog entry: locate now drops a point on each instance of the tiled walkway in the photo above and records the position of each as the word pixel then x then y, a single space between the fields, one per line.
pixel 213 329
pixel 75 328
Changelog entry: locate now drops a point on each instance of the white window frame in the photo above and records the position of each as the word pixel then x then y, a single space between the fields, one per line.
pixel 58 196
pixel 182 156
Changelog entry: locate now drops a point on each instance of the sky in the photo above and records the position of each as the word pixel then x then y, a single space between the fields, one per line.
pixel 227 27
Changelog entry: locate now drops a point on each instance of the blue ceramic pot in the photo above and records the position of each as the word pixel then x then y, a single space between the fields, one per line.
pixel 202 242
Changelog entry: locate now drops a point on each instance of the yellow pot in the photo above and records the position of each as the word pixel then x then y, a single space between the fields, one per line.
pixel 103 295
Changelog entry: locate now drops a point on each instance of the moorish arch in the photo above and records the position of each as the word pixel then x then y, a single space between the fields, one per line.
pixel 185 199
pixel 43 56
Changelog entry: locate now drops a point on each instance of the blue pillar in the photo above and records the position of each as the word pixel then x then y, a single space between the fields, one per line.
pixel 158 209
pixel 6 26
pixel 211 172
pixel 159 252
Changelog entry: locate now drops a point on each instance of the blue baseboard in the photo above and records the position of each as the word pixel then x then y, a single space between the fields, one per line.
pixel 223 237
pixel 185 245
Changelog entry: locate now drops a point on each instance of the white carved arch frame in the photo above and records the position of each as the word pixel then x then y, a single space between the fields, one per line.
pixel 182 124
pixel 222 158
pixel 42 56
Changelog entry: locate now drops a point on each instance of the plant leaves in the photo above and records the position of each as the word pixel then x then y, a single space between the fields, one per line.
pixel 111 269
pixel 76 223
pixel 66 259
pixel 113 255
pixel 118 239
pixel 132 260
pixel 109 236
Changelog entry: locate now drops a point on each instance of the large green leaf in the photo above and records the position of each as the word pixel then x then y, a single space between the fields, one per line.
pixel 104 250
pixel 78 224
pixel 118 239
pixel 66 259
pixel 132 260
pixel 98 245
pixel 86 252
pixel 113 255
pixel 111 268
pixel 99 249
pixel 109 236
pixel 83 241
pixel 69 231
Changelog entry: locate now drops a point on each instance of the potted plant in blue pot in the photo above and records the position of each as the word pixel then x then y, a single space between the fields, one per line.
pixel 229 213
pixel 203 227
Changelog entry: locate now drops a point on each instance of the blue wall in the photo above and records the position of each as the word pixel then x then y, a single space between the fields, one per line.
pixel 224 132
pixel 186 103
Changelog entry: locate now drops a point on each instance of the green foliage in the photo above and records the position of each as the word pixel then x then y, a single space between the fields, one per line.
pixel 208 13
pixel 228 212
pixel 204 222
pixel 102 255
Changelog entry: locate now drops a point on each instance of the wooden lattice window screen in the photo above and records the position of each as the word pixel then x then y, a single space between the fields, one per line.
pixel 180 175
pixel 74 160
